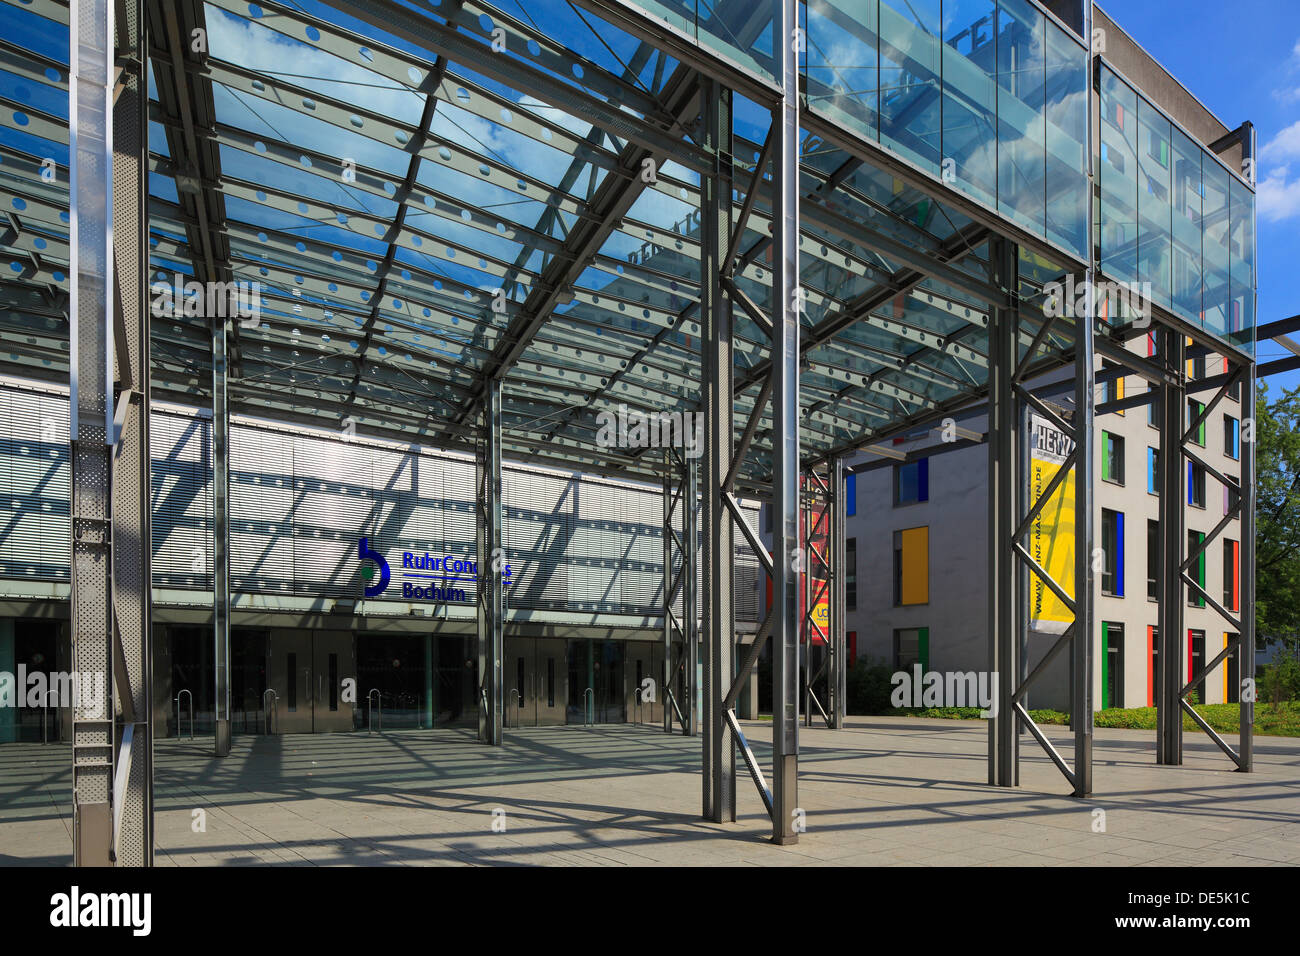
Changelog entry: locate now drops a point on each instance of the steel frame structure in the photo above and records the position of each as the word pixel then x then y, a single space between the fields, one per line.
pixel 823 581
pixel 112 745
pixel 681 617
pixel 876 330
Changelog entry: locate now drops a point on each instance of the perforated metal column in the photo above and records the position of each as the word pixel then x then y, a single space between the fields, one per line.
pixel 491 563
pixel 220 540
pixel 112 720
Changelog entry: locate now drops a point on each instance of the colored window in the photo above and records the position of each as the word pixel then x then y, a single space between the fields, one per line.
pixel 1112 665
pixel 912 566
pixel 1112 459
pixel 1231 574
pixel 1194 409
pixel 1153 560
pixel 851 573
pixel 850 494
pixel 1194 597
pixel 1231 437
pixel 912 646
pixel 1112 543
pixel 1153 470
pixel 912 482
pixel 1195 485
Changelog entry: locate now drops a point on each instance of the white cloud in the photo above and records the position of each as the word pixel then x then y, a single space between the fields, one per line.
pixel 1284 146
pixel 1277 196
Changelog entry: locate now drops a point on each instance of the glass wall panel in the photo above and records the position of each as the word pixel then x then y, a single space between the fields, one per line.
pixel 910 86
pixel 1186 197
pixel 1022 121
pixel 1192 236
pixel 1117 177
pixel 970 138
pixel 1155 223
pixel 841 67
pixel 1214 242
pixel 1067 137
pixel 1241 249
pixel 741 31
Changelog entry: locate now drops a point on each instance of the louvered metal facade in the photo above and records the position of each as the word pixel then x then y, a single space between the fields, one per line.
pixel 300 501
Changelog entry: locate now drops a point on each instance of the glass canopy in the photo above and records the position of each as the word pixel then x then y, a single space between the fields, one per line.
pixel 429 195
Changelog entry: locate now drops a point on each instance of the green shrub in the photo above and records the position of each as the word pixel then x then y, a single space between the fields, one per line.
pixel 868 687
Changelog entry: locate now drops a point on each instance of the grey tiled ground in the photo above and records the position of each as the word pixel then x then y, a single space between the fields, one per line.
pixel 885 791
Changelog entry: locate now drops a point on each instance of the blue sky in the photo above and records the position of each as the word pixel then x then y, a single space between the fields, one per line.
pixel 1241 58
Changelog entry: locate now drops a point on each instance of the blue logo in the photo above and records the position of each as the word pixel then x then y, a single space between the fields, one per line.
pixel 365 553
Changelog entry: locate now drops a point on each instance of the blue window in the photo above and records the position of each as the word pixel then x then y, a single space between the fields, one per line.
pixel 1231 437
pixel 850 494
pixel 1153 466
pixel 1112 544
pixel 912 482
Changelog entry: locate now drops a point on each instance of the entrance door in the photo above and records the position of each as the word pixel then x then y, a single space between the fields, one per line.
pixel 536 679
pixel 332 663
pixel 306 670
pixel 644 660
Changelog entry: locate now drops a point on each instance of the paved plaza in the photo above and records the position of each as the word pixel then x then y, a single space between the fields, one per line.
pixel 884 791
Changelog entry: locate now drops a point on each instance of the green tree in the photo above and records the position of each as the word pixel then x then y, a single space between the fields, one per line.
pixel 1277 522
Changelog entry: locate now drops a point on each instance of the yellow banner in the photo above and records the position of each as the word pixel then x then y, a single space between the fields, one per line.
pixel 1051 538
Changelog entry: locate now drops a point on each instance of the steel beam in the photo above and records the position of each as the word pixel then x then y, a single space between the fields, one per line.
pixel 490 589
pixel 786 559
pixel 719 751
pixel 1172 535
pixel 837 680
pixel 1246 648
pixel 220 540
pixel 1004 572
pixel 1085 399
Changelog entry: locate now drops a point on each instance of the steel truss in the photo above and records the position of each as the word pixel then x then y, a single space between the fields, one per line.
pixel 681 617
pixel 112 747
pixel 725 456
pixel 1009 558
pixel 1170 386
pixel 823 584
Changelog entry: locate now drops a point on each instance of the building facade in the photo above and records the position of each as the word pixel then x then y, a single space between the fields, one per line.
pixel 584 570
pixel 917 545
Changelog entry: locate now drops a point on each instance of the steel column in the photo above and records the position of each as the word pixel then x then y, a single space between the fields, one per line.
pixel 220 539
pixel 112 774
pixel 1081 657
pixel 787 561
pixel 490 590
pixel 1246 650
pixel 1173 399
pixel 1003 568
pixel 837 679
pixel 719 752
